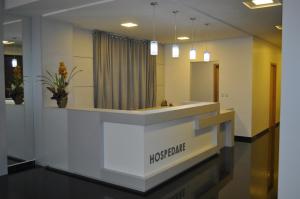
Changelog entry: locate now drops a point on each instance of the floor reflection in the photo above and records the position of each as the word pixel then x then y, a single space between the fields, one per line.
pixel 246 171
pixel 255 173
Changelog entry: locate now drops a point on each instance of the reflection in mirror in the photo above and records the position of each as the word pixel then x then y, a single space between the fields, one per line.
pixel 19 139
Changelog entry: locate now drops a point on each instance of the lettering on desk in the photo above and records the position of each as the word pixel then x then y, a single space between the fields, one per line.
pixel 161 155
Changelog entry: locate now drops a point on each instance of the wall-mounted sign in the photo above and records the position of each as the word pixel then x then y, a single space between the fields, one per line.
pixel 167 153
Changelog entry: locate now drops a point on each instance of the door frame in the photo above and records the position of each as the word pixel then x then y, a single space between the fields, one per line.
pixel 273 95
pixel 216 82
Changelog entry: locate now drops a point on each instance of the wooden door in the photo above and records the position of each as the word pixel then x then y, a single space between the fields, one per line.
pixel 216 82
pixel 272 125
pixel 273 93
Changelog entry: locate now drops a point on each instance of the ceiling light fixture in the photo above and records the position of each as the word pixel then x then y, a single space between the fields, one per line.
pixel 206 55
pixel 7 42
pixel 256 4
pixel 154 42
pixel 193 52
pixel 129 25
pixel 175 47
pixel 279 27
pixel 183 38
pixel 14 62
pixel 262 2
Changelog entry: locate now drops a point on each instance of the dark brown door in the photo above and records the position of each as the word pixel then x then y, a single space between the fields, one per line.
pixel 272 124
pixel 216 82
pixel 273 93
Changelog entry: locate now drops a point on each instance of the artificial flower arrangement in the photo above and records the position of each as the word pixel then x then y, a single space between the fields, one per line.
pixel 16 90
pixel 57 84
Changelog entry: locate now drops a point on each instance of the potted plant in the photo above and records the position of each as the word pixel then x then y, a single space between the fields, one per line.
pixel 57 84
pixel 17 86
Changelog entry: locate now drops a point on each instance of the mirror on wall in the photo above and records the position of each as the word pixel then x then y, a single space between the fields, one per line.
pixel 18 112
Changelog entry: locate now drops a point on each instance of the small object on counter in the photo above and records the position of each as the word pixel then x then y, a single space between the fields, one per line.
pixel 164 103
pixel 171 104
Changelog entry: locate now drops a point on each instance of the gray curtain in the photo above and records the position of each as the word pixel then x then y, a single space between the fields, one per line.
pixel 124 73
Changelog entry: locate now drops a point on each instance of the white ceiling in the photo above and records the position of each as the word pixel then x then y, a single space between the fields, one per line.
pixel 227 18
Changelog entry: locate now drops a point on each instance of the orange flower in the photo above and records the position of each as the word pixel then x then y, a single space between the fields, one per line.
pixel 17 72
pixel 62 70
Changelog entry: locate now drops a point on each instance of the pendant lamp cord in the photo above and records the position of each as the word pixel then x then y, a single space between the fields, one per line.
pixel 154 4
pixel 193 30
pixel 175 25
pixel 207 24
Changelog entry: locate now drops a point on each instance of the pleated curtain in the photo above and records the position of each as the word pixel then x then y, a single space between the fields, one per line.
pixel 124 73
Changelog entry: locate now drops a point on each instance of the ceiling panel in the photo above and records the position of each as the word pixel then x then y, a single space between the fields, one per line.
pixel 109 16
pixel 258 22
pixel 227 18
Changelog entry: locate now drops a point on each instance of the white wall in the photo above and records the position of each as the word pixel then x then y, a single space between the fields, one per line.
pixel 263 55
pixel 38 98
pixel 83 84
pixel 16 133
pixel 3 163
pixel 28 140
pixel 57 40
pixel 289 163
pixel 235 59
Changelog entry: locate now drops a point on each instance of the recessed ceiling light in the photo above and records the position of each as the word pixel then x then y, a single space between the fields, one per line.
pixel 129 25
pixel 7 42
pixel 256 4
pixel 279 27
pixel 183 38
pixel 261 2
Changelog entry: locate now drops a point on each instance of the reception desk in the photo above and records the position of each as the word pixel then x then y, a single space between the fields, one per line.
pixel 134 149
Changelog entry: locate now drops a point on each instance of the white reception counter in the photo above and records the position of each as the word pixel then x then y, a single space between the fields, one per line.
pixel 134 149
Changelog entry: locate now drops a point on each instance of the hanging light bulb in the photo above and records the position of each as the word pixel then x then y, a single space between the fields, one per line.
pixel 154 48
pixel 175 47
pixel 175 51
pixel 154 43
pixel 14 63
pixel 193 52
pixel 206 56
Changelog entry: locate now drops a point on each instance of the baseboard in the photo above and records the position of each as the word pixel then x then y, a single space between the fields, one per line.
pixel 252 139
pixel 22 166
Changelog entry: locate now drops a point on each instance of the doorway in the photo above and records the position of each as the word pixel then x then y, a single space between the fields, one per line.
pixel 273 94
pixel 204 82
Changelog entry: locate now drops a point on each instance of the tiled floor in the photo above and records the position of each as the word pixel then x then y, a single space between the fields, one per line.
pixel 247 171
